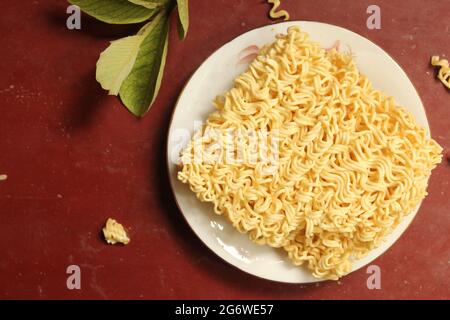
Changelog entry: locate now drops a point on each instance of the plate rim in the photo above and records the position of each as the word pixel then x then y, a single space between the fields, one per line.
pixel 414 212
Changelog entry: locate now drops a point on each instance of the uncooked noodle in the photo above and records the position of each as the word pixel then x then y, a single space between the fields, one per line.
pixel 274 14
pixel 444 70
pixel 349 163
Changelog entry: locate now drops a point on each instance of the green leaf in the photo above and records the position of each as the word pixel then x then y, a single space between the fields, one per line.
pixel 183 18
pixel 116 62
pixel 115 11
pixel 151 4
pixel 140 88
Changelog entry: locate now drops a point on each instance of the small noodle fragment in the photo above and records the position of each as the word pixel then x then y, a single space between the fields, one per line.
pixel 274 14
pixel 444 71
pixel 351 162
pixel 114 232
pixel 3 177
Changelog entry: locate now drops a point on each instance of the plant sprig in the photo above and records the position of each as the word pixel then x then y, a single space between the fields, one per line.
pixel 132 67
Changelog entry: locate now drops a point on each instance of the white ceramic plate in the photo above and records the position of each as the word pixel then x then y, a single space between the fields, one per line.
pixel 215 76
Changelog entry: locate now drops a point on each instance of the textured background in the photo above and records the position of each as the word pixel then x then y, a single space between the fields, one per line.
pixel 75 156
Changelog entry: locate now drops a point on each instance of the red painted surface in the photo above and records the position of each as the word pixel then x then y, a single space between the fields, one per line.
pixel 75 157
